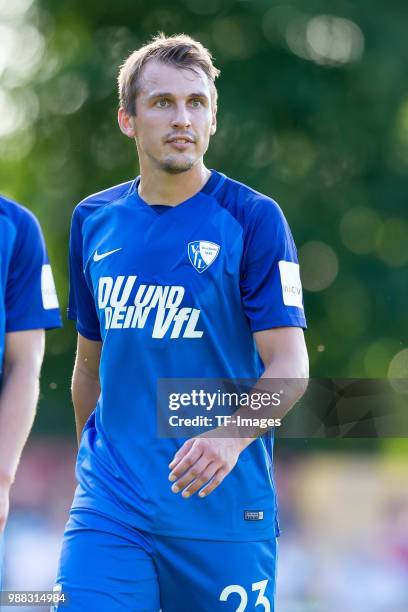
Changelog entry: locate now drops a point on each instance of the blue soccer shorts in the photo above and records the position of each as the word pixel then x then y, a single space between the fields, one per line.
pixel 107 566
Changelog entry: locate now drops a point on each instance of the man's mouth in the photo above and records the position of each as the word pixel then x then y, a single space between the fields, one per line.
pixel 180 139
pixel 180 143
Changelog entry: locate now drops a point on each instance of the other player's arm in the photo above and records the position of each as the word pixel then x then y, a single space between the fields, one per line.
pixel 85 381
pixel 208 458
pixel 24 351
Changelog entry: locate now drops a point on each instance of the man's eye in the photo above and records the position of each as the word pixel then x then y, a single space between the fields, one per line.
pixel 196 102
pixel 163 103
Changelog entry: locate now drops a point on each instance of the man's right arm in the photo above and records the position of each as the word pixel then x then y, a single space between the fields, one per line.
pixel 85 381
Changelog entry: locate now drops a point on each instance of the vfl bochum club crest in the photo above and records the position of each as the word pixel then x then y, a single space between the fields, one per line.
pixel 202 254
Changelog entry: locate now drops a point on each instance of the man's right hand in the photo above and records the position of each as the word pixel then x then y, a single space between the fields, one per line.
pixel 4 505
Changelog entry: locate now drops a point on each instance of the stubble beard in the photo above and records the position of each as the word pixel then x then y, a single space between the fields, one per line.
pixel 174 165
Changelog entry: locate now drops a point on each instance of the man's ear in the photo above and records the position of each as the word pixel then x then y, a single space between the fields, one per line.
pixel 126 123
pixel 213 128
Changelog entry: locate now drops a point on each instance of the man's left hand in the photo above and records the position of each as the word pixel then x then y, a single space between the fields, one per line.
pixel 203 461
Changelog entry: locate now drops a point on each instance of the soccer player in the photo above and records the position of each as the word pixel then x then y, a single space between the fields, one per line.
pixel 181 272
pixel 28 305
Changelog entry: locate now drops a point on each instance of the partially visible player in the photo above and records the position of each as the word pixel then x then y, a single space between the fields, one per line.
pixel 28 305
pixel 180 273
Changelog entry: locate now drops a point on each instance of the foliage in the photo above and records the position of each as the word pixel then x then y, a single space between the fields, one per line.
pixel 313 110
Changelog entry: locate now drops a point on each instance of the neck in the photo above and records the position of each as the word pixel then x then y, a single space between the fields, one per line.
pixel 158 187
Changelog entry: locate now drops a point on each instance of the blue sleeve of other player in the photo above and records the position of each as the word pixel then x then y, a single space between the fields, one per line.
pixel 31 301
pixel 270 282
pixel 81 305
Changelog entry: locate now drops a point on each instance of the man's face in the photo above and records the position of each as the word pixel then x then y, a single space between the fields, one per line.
pixel 174 117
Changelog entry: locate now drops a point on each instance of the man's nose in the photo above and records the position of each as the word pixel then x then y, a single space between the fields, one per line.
pixel 181 117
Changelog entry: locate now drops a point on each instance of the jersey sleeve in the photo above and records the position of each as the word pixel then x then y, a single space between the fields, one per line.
pixel 270 281
pixel 30 300
pixel 81 305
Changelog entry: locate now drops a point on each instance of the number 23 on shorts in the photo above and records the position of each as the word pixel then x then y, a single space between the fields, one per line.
pixel 256 586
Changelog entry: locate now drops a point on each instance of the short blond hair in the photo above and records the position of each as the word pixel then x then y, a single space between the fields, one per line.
pixel 179 50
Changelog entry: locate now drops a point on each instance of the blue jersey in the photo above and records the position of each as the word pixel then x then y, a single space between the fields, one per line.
pixel 176 292
pixel 27 292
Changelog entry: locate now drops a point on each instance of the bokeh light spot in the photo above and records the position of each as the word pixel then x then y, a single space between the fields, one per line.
pixel 67 94
pixel 334 40
pixel 378 356
pixel 15 147
pixel 18 110
pixel 359 229
pixel 14 9
pixel 398 371
pixel 21 53
pixel 325 39
pixel 318 264
pixel 392 246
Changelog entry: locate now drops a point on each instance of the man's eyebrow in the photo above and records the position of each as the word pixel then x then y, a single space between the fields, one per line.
pixel 167 94
pixel 159 94
pixel 199 94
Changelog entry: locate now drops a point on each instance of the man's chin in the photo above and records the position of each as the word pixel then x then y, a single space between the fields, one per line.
pixel 177 166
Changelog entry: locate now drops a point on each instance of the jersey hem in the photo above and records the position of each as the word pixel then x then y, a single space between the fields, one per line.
pixel 142 525
pixel 266 324
pixel 89 335
pixel 34 324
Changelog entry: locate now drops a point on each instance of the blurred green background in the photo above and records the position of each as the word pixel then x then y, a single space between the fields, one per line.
pixel 313 111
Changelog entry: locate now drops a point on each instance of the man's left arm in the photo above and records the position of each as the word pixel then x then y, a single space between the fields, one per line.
pixel 208 458
pixel 284 355
pixel 24 353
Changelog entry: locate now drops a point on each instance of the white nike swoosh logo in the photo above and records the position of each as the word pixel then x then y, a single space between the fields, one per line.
pixel 98 257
